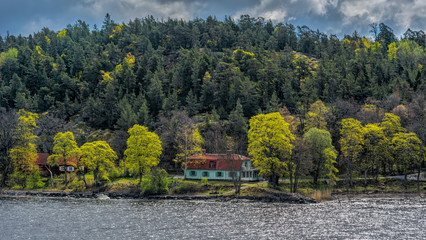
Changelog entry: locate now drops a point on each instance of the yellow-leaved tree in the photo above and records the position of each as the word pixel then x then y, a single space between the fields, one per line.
pixel 317 116
pixel 64 149
pixel 375 149
pixel 270 145
pixel 351 142
pixel 143 150
pixel 24 154
pixel 407 149
pixel 330 156
pixel 99 158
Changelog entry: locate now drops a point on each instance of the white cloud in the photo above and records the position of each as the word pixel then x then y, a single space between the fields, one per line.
pixel 125 10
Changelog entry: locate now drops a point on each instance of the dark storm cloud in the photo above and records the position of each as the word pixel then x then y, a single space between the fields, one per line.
pixel 330 16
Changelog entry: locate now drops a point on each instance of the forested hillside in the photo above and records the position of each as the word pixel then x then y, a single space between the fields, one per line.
pixel 214 75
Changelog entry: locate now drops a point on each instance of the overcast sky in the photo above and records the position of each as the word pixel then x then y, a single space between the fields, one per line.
pixel 330 16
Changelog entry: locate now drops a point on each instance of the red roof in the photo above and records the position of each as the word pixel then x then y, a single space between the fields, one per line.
pixel 216 161
pixel 42 159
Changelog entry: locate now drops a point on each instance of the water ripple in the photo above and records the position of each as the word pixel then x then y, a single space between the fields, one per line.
pixel 361 218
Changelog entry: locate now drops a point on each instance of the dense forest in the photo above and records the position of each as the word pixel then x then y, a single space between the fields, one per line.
pixel 215 76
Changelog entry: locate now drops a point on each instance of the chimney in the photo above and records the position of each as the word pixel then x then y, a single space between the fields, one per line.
pixel 203 152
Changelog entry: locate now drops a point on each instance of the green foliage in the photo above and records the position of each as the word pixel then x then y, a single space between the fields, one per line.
pixel 322 152
pixel 34 181
pixel 187 187
pixel 24 153
pixel 391 124
pixel 352 138
pixel 10 55
pixel 407 150
pixel 351 142
pixel 17 180
pixel 77 185
pixel 204 182
pixel 99 158
pixel 330 157
pixel 146 70
pixel 143 150
pixel 65 148
pixel 155 183
pixel 189 141
pixel 270 144
pixel 317 116
pixel 376 147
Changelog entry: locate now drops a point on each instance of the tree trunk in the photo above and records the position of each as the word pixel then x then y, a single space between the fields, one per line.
pixel 65 169
pixel 4 176
pixel 140 175
pixel 365 180
pixel 274 180
pixel 316 180
pixel 95 177
pixel 296 180
pixel 405 181
pixel 291 181
pixel 418 178
pixel 51 176
pixel 418 172
pixel 84 178
pixel 184 171
pixel 237 183
pixel 296 175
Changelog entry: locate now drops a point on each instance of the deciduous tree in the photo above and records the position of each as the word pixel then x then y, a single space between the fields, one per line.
pixel 99 158
pixel 351 142
pixel 143 150
pixel 189 141
pixel 318 141
pixel 407 149
pixel 24 153
pixel 270 144
pixel 64 149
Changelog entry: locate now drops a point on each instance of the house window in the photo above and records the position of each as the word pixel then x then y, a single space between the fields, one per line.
pixel 205 174
pixel 61 168
pixel 70 169
pixel 212 164
pixel 219 174
pixel 193 173
pixel 232 174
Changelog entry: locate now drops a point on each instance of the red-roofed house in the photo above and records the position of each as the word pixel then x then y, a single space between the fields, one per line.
pixel 221 167
pixel 42 164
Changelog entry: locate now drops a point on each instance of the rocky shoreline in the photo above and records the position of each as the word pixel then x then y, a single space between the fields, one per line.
pixel 339 195
pixel 276 197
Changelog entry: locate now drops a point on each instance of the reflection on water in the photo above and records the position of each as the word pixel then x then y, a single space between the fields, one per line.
pixel 362 218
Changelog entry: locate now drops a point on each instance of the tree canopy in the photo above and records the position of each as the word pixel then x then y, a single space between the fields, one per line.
pixel 270 144
pixel 143 150
pixel 99 158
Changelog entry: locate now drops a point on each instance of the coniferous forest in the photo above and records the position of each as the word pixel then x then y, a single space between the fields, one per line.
pixel 353 103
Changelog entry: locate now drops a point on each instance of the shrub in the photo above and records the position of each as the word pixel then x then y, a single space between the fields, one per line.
pixel 156 183
pixel 18 180
pixel 204 181
pixel 34 181
pixel 77 184
pixel 114 174
pixel 187 187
